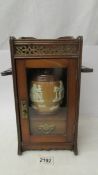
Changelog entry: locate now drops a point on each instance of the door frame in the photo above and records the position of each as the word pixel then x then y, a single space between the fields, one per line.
pixel 72 66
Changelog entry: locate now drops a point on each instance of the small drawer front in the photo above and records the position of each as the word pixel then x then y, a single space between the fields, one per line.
pixel 47 126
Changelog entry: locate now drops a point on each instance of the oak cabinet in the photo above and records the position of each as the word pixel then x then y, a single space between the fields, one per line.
pixel 46 78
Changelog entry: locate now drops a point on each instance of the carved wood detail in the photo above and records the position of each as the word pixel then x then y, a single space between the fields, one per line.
pixel 45 50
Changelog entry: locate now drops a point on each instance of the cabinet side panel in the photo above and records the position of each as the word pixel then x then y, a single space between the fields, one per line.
pixel 16 96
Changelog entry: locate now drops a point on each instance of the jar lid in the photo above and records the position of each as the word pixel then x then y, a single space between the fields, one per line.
pixel 45 78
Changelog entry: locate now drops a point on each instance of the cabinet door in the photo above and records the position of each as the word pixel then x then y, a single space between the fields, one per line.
pixel 47 102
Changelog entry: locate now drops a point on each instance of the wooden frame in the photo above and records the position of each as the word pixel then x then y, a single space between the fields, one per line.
pixel 66 50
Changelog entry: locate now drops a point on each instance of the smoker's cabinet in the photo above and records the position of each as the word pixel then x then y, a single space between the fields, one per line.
pixel 46 78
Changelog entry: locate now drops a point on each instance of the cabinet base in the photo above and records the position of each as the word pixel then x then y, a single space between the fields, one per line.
pixel 48 147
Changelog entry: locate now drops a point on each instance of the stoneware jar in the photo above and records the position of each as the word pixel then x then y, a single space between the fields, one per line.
pixel 46 93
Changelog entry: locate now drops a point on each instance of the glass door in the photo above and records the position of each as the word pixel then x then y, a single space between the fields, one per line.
pixel 47 96
pixel 49 92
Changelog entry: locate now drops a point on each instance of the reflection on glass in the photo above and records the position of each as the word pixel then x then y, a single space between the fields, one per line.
pixel 47 93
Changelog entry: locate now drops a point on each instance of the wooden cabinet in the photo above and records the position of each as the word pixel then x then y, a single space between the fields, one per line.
pixel 46 78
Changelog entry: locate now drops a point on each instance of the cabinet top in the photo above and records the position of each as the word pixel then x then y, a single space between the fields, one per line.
pixel 29 47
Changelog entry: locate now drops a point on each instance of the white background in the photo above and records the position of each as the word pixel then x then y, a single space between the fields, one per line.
pixel 52 19
pixel 48 19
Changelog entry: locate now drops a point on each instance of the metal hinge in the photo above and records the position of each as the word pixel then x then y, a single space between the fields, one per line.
pixel 24 109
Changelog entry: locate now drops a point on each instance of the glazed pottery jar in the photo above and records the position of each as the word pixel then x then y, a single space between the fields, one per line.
pixel 46 93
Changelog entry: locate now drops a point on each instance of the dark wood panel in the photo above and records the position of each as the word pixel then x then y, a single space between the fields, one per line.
pixel 72 91
pixel 44 63
pixel 22 94
pixel 48 146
